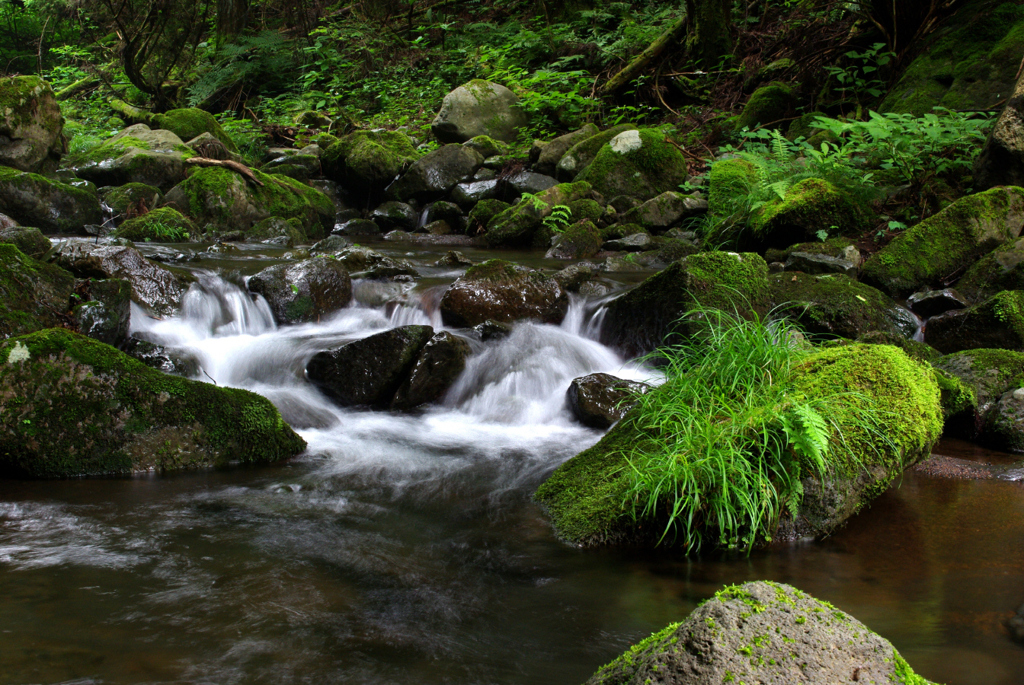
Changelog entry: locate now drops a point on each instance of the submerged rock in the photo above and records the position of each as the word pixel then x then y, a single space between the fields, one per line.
pixel 599 400
pixel 761 632
pixel 504 292
pixel 85 408
pixel 303 291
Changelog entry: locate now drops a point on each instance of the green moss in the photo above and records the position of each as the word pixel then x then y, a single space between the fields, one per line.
pixel 131 195
pixel 18 95
pixel 643 172
pixel 369 160
pixel 616 231
pixel 1001 269
pixel 627 658
pixel 33 294
pixel 767 105
pixel 956 396
pixel 485 210
pixel 585 208
pixel 920 351
pixel 580 155
pixel 810 206
pixel 105 412
pixel 835 305
pixel 191 122
pixel 832 247
pixel 164 225
pixel 487 146
pixel 729 180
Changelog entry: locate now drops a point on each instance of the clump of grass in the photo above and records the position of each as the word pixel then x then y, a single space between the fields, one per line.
pixel 736 439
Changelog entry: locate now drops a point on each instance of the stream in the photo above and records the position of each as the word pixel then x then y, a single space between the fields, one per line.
pixel 404 548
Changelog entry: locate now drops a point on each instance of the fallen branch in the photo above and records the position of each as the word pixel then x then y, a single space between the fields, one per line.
pixel 644 58
pixel 76 87
pixel 131 114
pixel 237 167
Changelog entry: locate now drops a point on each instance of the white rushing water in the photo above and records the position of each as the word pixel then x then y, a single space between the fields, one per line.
pixel 508 406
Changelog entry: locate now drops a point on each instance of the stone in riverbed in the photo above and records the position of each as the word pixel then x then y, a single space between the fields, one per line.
pixel 434 175
pixel 49 205
pixel 30 241
pixel 33 294
pixel 931 303
pixel 504 292
pixel 106 313
pixel 304 291
pixel 440 362
pixel 998 322
pixel 599 400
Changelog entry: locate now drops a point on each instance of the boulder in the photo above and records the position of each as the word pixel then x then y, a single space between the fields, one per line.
pixel 362 262
pixel 369 161
pixel 31 125
pixel 634 242
pixel 729 183
pixel 578 241
pixel 300 167
pixel 599 400
pixel 154 287
pixel 364 227
pixel 584 497
pixel 369 372
pixel 553 151
pixel 104 313
pixel 448 212
pixel 466 195
pixel 453 259
pixel 811 263
pixel 665 210
pixel 999 270
pixel 277 231
pixel 483 212
pixel 30 241
pixel 209 146
pixel 85 408
pixel 137 154
pixel 810 206
pixel 770 104
pixel 761 632
pixel 945 244
pixel 581 154
pixel 33 294
pixel 163 225
pixel 191 122
pixel 222 201
pixel 836 306
pixel 651 315
pixel 392 215
pixel 330 245
pixel 487 146
pixel 51 206
pixel 131 199
pixel 504 292
pixel 435 174
pixel 642 164
pixel 514 185
pixel 988 374
pixel 996 323
pixel 522 224
pixel 838 247
pixel 479 108
pixel 440 363
pixel 575 276
pixel 1004 425
pixel 304 291
pixel 929 303
pixel 166 359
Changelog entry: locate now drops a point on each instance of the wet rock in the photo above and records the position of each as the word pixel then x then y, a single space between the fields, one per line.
pixel 573 277
pixel 933 302
pixel 33 294
pixel 761 632
pixel 578 241
pixel 51 206
pixel 452 259
pixel 369 161
pixel 448 212
pixel 648 316
pixel 524 182
pixel 165 359
pixel 439 227
pixel 635 242
pixel 641 164
pixel 1004 425
pixel 998 322
pixel 31 125
pixel 304 291
pixel 999 270
pixel 988 374
pixel 522 224
pixel 362 262
pixel 466 195
pixel 581 154
pixel 599 400
pixel 104 412
pixel 492 330
pixel 548 156
pixel 137 154
pixel 131 199
pixel 392 215
pixel 332 244
pixel 357 227
pixel 434 175
pixel 273 230
pixel 947 243
pixel 105 312
pixel 484 211
pixel 665 210
pixel 436 370
pixel 479 108
pixel 427 239
pixel 153 287
pixel 810 263
pixel 30 241
pixel 369 372
pixel 504 292
pixel 487 146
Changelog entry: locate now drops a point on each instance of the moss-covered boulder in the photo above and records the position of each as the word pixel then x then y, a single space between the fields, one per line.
pixel 836 306
pixel 586 496
pixel 73 406
pixel 947 243
pixel 969 64
pixel 368 161
pixel 523 224
pixel 190 122
pixel 988 374
pixel 479 108
pixel 104 310
pixel 810 206
pixel 501 291
pixel 31 125
pixel 761 632
pixel 137 154
pixel 651 315
pixel 770 104
pixel 1004 427
pixel 729 183
pixel 553 151
pixel 482 213
pixel 51 206
pixel 131 198
pixel 33 294
pixel 581 154
pixel 163 225
pixel 999 270
pixel 487 146
pixel 578 241
pixel 275 230
pixel 304 291
pixel 667 209
pixel 996 323
pixel 30 241
pixel 221 200
pixel 641 164
pixel 435 174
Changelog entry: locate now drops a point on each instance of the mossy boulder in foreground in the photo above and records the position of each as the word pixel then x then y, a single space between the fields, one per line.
pixel 761 632
pixel 585 496
pixel 51 206
pixel 72 406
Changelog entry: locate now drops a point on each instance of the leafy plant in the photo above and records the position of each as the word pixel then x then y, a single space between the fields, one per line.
pixel 860 77
pixel 559 218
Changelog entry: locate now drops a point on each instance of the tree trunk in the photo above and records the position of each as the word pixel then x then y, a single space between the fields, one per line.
pixel 232 15
pixel 709 41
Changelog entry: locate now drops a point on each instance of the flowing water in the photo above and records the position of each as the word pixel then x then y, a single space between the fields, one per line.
pixel 406 549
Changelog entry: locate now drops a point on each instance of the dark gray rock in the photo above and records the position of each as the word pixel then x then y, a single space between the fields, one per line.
pixel 599 400
pixel 812 263
pixel 439 227
pixel 503 292
pixel 454 258
pixel 392 215
pixel 998 322
pixel 636 242
pixel 931 303
pixel 30 241
pixel 449 213
pixel 434 175
pixel 363 262
pixel 105 312
pixel 331 245
pixel 492 330
pixel 169 360
pixel 580 240
pixel 468 194
pixel 363 227
pixel 665 210
pixel 524 182
pixel 304 291
pixel 49 205
pixel 438 367
pixel 1004 425
pixel 550 153
pixel 369 372
pixel 572 277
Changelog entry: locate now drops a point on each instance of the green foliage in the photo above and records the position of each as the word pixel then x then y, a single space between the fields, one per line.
pixel 559 218
pixel 253 65
pixel 860 78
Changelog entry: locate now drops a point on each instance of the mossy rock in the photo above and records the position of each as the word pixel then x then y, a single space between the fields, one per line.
pixel 163 225
pixel 479 108
pixel 836 306
pixel 190 122
pixel 578 241
pixel 369 161
pixel 31 125
pixel 224 201
pixel 33 294
pixel 641 164
pixel 485 210
pixel 138 154
pixel 287 232
pixel 999 270
pixel 651 315
pixel 73 406
pixel 969 64
pixel 729 181
pixel 131 197
pixel 920 351
pixel 947 243
pixel 586 208
pixel 810 206
pixel 582 153
pixel 522 225
pixel 51 206
pixel 586 496
pixel 30 241
pixel 987 374
pixel 487 146
pixel 505 292
pixel 838 247
pixel 996 323
pixel 768 104
pixel 305 291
